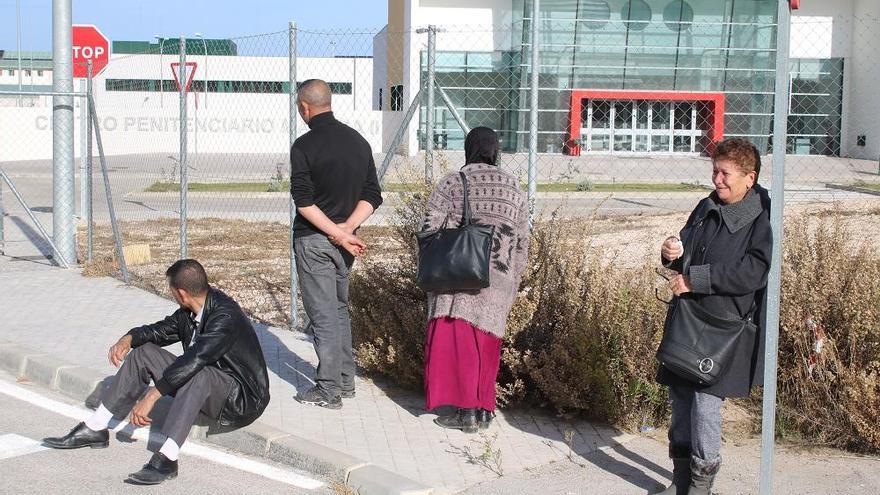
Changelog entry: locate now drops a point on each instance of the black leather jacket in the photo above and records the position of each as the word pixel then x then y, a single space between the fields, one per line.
pixel 226 341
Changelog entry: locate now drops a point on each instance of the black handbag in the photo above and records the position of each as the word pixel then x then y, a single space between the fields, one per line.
pixel 452 260
pixel 697 345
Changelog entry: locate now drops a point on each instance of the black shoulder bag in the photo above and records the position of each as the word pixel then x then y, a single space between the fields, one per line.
pixel 698 345
pixel 452 260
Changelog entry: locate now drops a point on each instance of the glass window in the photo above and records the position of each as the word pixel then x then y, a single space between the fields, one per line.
pixel 642 114
pixel 681 144
pixel 678 15
pixel 638 13
pixel 602 114
pixel 660 143
pixel 397 98
pixel 449 60
pixel 594 14
pixel 683 115
pixel 600 142
pixel 660 118
pixel 623 142
pixel 623 114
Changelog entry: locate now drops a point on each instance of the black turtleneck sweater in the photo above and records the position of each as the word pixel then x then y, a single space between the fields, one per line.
pixel 331 166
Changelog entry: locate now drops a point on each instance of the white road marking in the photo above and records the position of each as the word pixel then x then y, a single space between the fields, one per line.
pixel 12 445
pixel 189 448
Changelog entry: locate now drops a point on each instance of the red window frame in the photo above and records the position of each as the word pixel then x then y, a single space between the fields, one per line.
pixel 714 102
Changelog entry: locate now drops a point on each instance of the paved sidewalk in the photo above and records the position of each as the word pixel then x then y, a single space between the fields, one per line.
pixel 75 318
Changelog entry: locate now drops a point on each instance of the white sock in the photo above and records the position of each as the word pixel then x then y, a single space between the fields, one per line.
pixel 100 419
pixel 170 449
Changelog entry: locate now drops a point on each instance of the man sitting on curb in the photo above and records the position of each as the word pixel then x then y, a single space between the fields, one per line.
pixel 221 373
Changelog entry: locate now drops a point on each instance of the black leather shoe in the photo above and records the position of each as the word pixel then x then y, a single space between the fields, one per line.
pixel 80 436
pixel 484 418
pixel 156 471
pixel 463 419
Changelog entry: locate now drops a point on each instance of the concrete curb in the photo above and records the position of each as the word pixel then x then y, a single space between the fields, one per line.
pixel 258 439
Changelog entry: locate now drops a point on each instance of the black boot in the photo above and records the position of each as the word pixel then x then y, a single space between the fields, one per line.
pixel 80 436
pixel 156 471
pixel 703 474
pixel 484 418
pixel 681 470
pixel 463 419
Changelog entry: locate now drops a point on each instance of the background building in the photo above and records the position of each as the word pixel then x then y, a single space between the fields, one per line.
pixel 649 76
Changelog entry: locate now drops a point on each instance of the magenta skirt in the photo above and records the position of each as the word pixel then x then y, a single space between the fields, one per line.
pixel 461 365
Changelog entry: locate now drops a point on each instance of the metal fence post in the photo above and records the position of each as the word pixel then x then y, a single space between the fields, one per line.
pixel 64 169
pixel 83 124
pixel 108 192
pixel 533 113
pixel 292 113
pixel 184 183
pixel 2 220
pixel 774 282
pixel 429 106
pixel 90 202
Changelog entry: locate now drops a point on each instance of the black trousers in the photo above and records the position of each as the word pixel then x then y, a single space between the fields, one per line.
pixel 205 392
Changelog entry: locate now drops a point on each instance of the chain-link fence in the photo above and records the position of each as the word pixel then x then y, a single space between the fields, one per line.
pixel 28 202
pixel 833 145
pixel 629 108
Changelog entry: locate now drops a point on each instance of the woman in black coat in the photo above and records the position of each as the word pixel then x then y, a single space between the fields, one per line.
pixel 728 241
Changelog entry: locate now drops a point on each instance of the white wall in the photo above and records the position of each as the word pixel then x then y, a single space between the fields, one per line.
pixel 849 29
pixel 34 79
pixel 864 74
pixel 380 69
pixel 822 29
pixel 147 122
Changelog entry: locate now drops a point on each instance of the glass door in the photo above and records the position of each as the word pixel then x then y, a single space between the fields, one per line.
pixel 641 126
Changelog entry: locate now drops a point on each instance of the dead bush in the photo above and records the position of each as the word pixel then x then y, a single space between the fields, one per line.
pixel 830 298
pixel 583 332
pixel 580 337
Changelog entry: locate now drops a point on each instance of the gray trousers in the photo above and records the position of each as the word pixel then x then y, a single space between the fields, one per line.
pixel 696 423
pixel 323 271
pixel 205 392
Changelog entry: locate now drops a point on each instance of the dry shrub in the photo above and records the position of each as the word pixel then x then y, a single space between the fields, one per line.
pixel 830 281
pixel 580 337
pixel 388 310
pixel 582 334
pixel 584 331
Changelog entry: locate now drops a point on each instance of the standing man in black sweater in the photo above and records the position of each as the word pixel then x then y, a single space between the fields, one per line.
pixel 334 186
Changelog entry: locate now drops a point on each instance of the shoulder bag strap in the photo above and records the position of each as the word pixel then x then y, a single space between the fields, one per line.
pixel 466 208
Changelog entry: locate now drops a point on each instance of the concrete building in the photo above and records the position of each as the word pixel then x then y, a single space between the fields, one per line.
pixel 638 76
pixel 238 103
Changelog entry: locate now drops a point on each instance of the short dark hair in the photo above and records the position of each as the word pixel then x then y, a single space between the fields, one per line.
pixel 315 92
pixel 188 275
pixel 741 152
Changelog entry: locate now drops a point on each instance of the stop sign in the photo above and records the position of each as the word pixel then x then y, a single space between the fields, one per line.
pixel 89 44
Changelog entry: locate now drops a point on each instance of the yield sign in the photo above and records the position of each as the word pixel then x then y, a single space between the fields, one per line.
pixel 189 70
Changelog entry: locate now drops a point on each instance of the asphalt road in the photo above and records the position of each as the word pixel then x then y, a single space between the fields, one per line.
pixel 27 468
pixel 130 175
